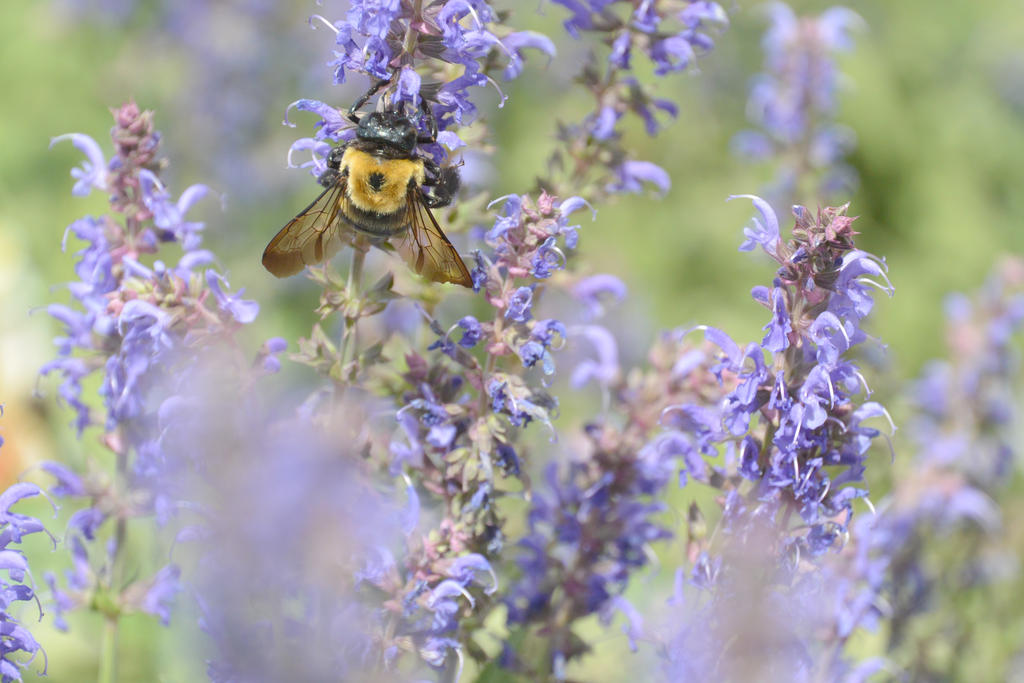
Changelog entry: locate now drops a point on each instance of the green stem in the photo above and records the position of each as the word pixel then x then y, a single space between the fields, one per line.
pixel 348 347
pixel 108 652
pixel 412 35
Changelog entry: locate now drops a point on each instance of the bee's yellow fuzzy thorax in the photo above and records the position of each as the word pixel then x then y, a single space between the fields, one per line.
pixel 389 195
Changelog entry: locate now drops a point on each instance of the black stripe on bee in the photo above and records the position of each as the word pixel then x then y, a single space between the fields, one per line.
pixel 375 224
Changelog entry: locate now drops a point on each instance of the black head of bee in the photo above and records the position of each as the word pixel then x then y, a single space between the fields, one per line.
pixel 390 129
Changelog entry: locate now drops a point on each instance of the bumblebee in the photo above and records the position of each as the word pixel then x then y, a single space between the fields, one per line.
pixel 378 186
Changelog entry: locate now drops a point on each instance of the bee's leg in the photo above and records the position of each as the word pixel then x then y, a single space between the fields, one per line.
pixel 441 184
pixel 374 89
pixel 334 158
pixel 330 176
pixel 431 123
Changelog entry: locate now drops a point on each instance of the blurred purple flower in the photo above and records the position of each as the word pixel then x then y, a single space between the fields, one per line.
pixel 631 175
pixel 93 173
pixel 605 368
pixel 793 103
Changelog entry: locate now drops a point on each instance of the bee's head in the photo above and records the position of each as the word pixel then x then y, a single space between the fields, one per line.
pixel 388 128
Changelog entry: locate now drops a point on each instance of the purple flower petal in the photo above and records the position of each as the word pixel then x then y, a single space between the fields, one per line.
pixel 633 174
pixel 93 173
pixel 765 231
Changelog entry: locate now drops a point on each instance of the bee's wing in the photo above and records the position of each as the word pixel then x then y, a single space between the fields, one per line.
pixel 425 248
pixel 309 238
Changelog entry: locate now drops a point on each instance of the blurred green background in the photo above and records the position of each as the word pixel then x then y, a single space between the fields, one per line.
pixel 934 93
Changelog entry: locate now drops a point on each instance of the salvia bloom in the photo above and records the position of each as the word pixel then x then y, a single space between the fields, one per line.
pixel 790 426
pixel 589 530
pixel 406 42
pixel 964 450
pixel 595 522
pixel 791 411
pixel 774 413
pixel 965 403
pixel 137 320
pixel 458 425
pixel 461 417
pixel 411 591
pixel 361 534
pixel 17 646
pixel 793 104
pixel 671 36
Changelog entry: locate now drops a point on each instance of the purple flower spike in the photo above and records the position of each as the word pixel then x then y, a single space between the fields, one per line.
pixel 793 104
pixel 141 325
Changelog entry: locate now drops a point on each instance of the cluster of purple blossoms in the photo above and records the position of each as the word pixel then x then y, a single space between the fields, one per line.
pixel 187 457
pixel 791 431
pixel 588 533
pixel 529 242
pixel 964 404
pixel 387 494
pixel 778 427
pixel 782 415
pixel 793 439
pixel 14 526
pixel 442 445
pixel 962 436
pixel 596 522
pixel 138 324
pixel 427 602
pixel 404 42
pixel 451 443
pixel 672 36
pixel 793 104
pixel 461 414
pixel 396 34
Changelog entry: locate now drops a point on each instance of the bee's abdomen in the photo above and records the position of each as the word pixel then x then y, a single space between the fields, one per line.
pixel 374 223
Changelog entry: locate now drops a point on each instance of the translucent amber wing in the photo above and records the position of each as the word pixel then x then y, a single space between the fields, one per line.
pixel 425 248
pixel 311 237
